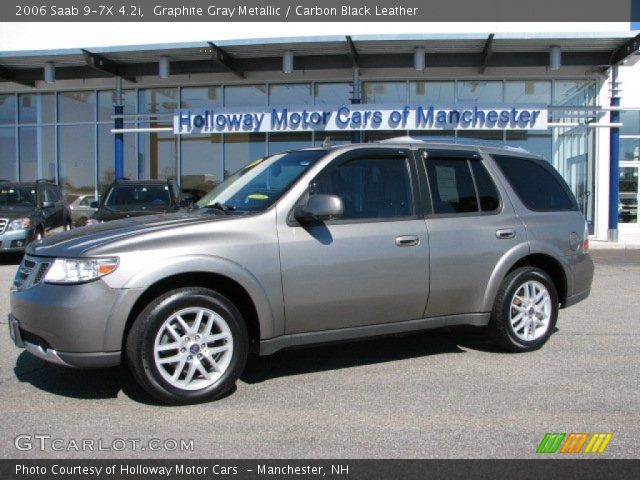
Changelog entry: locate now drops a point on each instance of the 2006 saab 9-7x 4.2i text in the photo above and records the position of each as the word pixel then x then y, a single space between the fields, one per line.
pixel 310 246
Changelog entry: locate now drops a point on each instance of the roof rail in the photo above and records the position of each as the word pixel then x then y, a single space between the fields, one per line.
pixel 120 180
pixel 2 180
pixel 45 180
pixel 403 139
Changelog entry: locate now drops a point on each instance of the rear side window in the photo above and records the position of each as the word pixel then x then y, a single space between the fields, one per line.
pixel 538 185
pixel 459 185
pixel 370 188
pixel 487 192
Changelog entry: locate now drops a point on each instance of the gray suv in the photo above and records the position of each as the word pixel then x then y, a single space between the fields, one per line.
pixel 310 246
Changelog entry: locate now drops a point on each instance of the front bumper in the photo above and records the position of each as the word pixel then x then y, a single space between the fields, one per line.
pixel 16 240
pixel 75 325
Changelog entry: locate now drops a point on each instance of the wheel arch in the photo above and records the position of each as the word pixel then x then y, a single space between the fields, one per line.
pixel 521 256
pixel 222 284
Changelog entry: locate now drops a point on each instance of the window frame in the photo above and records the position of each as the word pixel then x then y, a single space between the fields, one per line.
pixel 467 156
pixel 370 153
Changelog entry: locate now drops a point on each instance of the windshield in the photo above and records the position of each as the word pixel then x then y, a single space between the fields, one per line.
pixel 138 197
pixel 17 197
pixel 258 185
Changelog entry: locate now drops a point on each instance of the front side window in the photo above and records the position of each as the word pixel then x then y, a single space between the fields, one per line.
pixel 537 184
pixel 125 197
pixel 370 188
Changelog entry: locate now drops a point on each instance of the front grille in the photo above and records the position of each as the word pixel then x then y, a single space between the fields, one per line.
pixel 30 272
pixel 3 224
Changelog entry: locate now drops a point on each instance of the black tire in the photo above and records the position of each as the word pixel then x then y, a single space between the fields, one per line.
pixel 67 225
pixel 500 326
pixel 141 339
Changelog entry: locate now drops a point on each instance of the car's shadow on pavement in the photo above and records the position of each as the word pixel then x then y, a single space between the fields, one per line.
pixel 102 383
pixel 107 383
pixel 365 352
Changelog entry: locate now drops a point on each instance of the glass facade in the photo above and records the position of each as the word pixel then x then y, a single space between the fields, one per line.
pixel 67 135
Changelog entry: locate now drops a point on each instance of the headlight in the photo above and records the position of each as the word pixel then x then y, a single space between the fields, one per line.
pixel 19 224
pixel 76 270
pixel 92 221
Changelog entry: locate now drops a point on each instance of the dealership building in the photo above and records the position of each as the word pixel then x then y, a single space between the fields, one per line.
pixel 203 110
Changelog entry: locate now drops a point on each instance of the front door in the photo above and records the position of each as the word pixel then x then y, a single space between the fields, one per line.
pixel 371 265
pixel 629 196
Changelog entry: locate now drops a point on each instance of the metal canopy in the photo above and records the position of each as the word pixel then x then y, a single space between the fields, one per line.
pixel 480 52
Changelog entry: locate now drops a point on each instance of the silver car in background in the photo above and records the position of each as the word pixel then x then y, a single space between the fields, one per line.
pixel 82 209
pixel 305 247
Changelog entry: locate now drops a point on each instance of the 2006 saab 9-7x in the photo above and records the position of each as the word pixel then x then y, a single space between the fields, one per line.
pixel 310 246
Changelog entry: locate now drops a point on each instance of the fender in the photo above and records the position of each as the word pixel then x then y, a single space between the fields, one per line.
pixel 555 252
pixel 270 324
pixel 513 256
pixel 506 262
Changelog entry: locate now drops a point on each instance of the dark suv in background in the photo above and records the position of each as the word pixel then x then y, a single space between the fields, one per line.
pixel 30 210
pixel 134 198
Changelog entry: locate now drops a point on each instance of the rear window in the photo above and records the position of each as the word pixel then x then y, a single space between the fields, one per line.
pixel 538 185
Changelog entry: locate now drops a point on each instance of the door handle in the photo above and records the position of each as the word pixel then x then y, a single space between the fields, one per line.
pixel 407 241
pixel 505 233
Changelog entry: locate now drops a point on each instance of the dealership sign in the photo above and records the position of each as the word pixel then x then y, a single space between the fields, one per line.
pixel 358 117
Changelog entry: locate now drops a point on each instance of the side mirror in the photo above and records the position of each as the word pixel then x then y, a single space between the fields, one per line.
pixel 93 204
pixel 319 208
pixel 47 204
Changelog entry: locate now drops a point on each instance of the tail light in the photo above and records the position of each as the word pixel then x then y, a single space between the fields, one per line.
pixel 585 239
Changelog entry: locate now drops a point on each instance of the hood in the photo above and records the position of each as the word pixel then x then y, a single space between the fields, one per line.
pixel 16 212
pixel 79 241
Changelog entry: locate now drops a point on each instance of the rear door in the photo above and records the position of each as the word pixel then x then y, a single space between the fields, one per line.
pixel 371 265
pixel 471 225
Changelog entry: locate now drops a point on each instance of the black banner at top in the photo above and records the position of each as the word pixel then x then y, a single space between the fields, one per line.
pixel 320 11
pixel 603 469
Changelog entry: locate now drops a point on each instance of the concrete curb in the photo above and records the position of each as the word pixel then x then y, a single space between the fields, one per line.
pixel 602 245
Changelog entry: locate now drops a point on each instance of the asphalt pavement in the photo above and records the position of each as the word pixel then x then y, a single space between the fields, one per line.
pixel 435 394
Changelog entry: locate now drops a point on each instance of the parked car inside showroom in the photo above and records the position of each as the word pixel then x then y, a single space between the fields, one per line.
pixel 305 247
pixel 29 211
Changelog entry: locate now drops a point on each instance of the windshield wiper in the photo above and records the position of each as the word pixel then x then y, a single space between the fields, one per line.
pixel 222 206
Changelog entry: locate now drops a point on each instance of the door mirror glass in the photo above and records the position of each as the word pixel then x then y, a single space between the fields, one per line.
pixel 47 204
pixel 319 207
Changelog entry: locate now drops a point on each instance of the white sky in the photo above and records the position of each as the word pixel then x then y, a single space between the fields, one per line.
pixel 50 36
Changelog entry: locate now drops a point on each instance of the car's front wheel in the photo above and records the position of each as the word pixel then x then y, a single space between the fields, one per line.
pixel 525 311
pixel 189 345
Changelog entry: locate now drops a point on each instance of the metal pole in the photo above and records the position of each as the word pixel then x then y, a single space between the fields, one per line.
pixel 119 137
pixel 614 158
pixel 356 100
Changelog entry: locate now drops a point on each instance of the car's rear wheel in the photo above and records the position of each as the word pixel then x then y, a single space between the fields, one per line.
pixel 525 311
pixel 189 345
